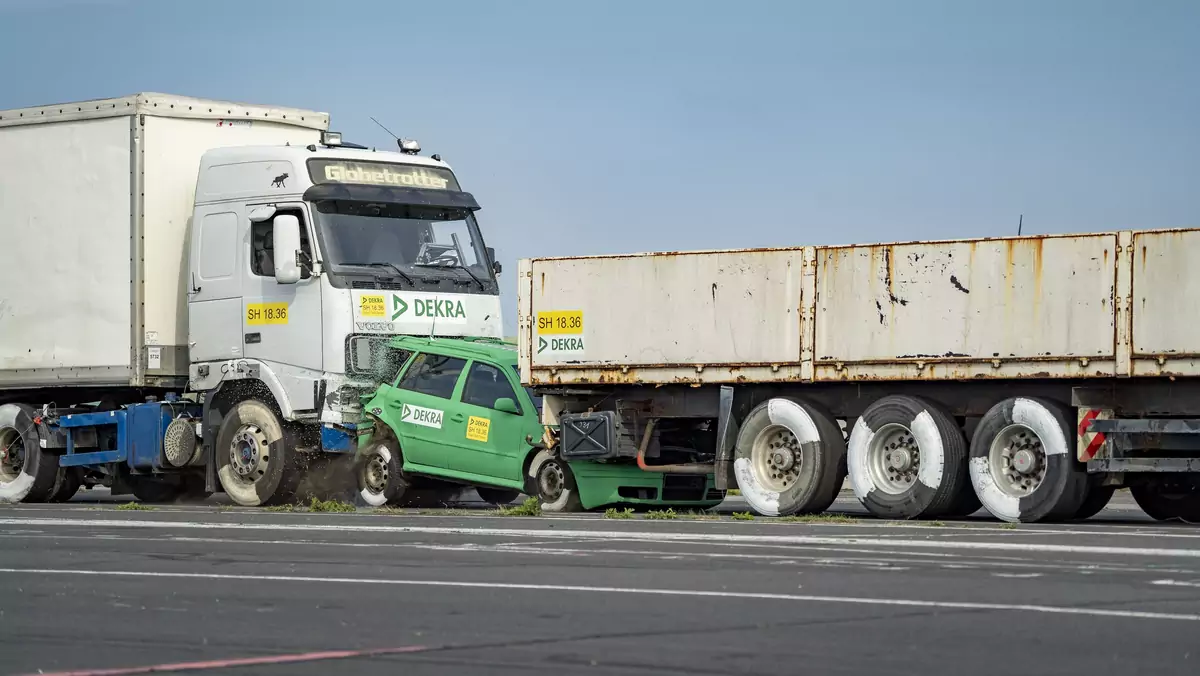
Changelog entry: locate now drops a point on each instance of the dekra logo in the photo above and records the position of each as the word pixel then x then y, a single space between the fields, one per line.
pixel 432 308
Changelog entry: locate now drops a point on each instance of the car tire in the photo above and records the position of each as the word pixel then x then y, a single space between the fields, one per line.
pixel 380 473
pixel 555 483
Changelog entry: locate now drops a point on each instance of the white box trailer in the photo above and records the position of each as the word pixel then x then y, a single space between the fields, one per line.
pixel 95 203
pixel 1097 330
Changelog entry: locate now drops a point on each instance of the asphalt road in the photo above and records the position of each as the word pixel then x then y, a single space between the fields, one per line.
pixel 86 588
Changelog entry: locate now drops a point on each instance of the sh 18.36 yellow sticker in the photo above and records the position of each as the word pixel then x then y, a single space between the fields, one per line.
pixel 478 428
pixel 259 314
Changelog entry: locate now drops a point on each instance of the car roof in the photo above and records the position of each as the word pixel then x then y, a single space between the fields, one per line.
pixel 492 349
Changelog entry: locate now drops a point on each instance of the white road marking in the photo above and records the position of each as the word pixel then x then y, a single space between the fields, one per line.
pixel 1018 576
pixel 1176 583
pixel 699 593
pixel 642 536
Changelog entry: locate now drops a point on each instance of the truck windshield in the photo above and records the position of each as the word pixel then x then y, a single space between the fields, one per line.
pixel 407 241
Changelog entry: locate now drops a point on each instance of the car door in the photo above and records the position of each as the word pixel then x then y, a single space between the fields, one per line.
pixel 490 442
pixel 419 408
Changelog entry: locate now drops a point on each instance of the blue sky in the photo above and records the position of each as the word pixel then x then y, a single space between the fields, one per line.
pixel 593 127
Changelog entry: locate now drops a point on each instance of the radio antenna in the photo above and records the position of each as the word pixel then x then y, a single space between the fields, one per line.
pixel 1020 223
pixel 385 128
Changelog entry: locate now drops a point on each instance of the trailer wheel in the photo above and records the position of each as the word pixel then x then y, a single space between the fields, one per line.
pixel 1165 499
pixel 27 474
pixel 1097 498
pixel 907 459
pixel 497 496
pixel 555 482
pixel 72 479
pixel 380 477
pixel 1022 465
pixel 790 458
pixel 254 463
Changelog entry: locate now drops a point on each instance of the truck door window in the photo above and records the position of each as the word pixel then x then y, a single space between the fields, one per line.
pixel 262 246
pixel 432 374
pixel 486 384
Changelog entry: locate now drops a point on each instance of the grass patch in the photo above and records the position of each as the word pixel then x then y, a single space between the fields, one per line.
pixel 733 491
pixel 614 513
pixel 135 507
pixel 935 524
pixel 531 507
pixel 280 508
pixel 742 516
pixel 662 514
pixel 336 506
pixel 1008 525
pixel 701 516
pixel 818 518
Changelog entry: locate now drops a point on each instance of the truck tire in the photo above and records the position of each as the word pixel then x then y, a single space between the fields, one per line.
pixel 1023 463
pixel 790 458
pixel 1097 497
pixel 907 459
pixel 1168 498
pixel 151 490
pixel 555 482
pixel 497 496
pixel 72 479
pixel 380 474
pixel 27 473
pixel 255 464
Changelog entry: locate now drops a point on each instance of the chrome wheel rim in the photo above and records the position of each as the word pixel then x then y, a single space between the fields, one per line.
pixel 375 474
pixel 552 481
pixel 249 454
pixel 893 459
pixel 776 458
pixel 1017 460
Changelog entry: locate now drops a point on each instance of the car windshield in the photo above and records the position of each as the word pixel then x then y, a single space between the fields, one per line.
pixel 404 240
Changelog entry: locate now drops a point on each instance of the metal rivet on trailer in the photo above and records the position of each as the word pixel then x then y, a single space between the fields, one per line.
pixel 1162 360
pixel 995 363
pixel 700 368
pixel 774 368
pixel 624 369
pixel 1083 361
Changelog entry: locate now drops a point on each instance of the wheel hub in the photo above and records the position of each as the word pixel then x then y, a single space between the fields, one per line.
pixel 376 475
pixel 893 459
pixel 1024 461
pixel 776 458
pixel 12 454
pixel 551 481
pixel 1017 461
pixel 249 453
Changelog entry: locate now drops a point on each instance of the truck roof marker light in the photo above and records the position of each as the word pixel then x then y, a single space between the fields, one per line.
pixel 408 146
pixel 331 138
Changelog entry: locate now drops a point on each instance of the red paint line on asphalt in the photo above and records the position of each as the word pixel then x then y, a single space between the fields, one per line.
pixel 240 662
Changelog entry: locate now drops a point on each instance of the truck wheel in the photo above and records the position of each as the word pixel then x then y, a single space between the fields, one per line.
pixel 908 459
pixel 71 481
pixel 1097 497
pixel 1022 465
pixel 1165 500
pixel 254 464
pixel 26 473
pixel 147 489
pixel 380 477
pixel 556 487
pixel 497 496
pixel 790 458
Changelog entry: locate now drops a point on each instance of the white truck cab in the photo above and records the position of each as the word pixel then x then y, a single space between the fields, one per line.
pixel 303 258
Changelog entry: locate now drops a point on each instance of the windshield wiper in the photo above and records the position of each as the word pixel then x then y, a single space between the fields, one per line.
pixel 393 266
pixel 454 265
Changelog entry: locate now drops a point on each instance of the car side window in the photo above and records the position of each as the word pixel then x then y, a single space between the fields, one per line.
pixel 432 374
pixel 486 384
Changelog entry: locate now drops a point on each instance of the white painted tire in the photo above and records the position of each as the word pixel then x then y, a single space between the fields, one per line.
pixel 380 474
pixel 790 458
pixel 566 496
pixel 39 477
pixel 1058 483
pixel 907 459
pixel 273 473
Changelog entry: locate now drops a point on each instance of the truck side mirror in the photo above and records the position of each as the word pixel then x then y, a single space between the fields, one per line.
pixel 491 253
pixel 286 240
pixel 507 405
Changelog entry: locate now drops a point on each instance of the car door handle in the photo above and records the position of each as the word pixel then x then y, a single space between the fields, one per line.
pixel 457 417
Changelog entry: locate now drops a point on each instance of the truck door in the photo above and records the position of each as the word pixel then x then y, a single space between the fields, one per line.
pixel 488 442
pixel 420 408
pixel 281 322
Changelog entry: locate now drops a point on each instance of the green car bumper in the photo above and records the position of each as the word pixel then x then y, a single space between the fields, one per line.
pixel 602 483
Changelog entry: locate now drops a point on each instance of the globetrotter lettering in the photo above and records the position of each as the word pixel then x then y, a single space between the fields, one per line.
pixel 415 177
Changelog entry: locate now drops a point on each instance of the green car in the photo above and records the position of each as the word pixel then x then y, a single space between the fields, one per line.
pixel 455 413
